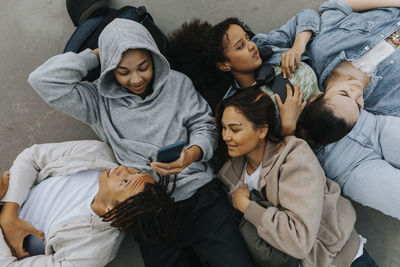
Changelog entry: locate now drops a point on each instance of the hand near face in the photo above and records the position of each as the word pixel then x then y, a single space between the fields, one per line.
pixel 4 184
pixel 188 156
pixel 290 61
pixel 241 198
pixel 15 229
pixel 290 111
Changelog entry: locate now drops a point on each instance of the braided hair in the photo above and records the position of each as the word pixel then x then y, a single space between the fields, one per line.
pixel 150 214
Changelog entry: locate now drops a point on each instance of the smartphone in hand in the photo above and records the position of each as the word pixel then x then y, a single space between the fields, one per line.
pixel 170 153
pixel 34 245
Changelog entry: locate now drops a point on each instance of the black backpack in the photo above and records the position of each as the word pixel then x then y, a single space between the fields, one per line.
pixel 87 33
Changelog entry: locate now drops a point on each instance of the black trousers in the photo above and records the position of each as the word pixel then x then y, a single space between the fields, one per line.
pixel 208 229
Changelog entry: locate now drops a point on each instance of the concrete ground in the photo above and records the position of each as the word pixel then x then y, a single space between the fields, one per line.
pixel 33 31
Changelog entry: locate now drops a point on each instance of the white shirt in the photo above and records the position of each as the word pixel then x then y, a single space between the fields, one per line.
pixel 59 199
pixel 252 179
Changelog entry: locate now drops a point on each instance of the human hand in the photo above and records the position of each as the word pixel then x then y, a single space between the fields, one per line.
pixel 291 58
pixel 15 230
pixel 4 184
pixel 290 61
pixel 290 111
pixel 241 198
pixel 97 53
pixel 188 156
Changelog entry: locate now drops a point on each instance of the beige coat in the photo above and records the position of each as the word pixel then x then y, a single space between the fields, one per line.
pixel 309 219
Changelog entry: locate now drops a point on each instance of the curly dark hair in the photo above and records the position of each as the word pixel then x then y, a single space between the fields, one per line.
pixel 186 52
pixel 151 214
pixel 319 126
pixel 256 106
pixel 215 45
pixel 195 48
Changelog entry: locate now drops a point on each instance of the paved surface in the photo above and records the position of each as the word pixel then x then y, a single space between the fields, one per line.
pixel 33 31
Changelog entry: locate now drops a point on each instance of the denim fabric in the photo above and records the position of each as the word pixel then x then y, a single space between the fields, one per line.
pixel 366 162
pixel 282 39
pixel 347 35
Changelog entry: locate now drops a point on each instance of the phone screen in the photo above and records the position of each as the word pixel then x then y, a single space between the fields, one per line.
pixel 170 153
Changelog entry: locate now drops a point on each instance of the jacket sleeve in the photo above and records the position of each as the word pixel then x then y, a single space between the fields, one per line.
pixel 41 161
pixel 59 82
pixel 97 252
pixel 293 225
pixel 198 120
pixel 305 20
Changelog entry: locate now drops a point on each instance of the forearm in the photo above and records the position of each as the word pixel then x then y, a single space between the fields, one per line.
pixel 302 40
pixel 363 5
pixel 200 123
pixel 195 153
pixel 59 83
pixel 9 212
pixel 61 72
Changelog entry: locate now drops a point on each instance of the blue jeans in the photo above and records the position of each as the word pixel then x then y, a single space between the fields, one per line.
pixel 366 162
pixel 364 260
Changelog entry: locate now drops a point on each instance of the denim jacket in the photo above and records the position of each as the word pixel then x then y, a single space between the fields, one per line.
pixel 82 241
pixel 345 35
pixel 282 39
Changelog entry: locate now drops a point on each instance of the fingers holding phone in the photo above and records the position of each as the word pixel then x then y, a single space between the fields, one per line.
pixel 186 157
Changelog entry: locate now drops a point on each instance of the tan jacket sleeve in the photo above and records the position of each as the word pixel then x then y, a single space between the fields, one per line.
pixel 298 181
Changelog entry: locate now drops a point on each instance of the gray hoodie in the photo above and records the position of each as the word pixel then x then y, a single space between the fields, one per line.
pixel 134 127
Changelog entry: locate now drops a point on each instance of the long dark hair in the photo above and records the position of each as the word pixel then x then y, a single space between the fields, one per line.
pixel 257 107
pixel 319 126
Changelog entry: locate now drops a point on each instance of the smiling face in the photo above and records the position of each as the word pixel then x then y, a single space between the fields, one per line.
pixel 243 56
pixel 346 100
pixel 241 136
pixel 135 71
pixel 118 184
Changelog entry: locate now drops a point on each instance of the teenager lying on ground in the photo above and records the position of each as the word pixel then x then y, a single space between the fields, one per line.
pixel 365 165
pixel 137 106
pixel 354 56
pixel 71 199
pixel 230 61
pixel 307 218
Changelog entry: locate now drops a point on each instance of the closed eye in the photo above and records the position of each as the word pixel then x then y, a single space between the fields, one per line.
pixel 344 93
pixel 241 45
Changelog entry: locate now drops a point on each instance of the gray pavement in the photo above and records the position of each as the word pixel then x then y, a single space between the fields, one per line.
pixel 32 31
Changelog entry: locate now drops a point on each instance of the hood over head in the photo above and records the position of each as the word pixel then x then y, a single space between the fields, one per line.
pixel 117 37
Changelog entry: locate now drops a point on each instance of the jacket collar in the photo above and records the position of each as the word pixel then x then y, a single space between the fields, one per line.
pixel 233 170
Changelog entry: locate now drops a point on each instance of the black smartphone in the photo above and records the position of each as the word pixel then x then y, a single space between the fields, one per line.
pixel 34 245
pixel 170 153
pixel 279 87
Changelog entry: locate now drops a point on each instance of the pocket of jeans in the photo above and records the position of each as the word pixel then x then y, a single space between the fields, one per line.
pixel 359 26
